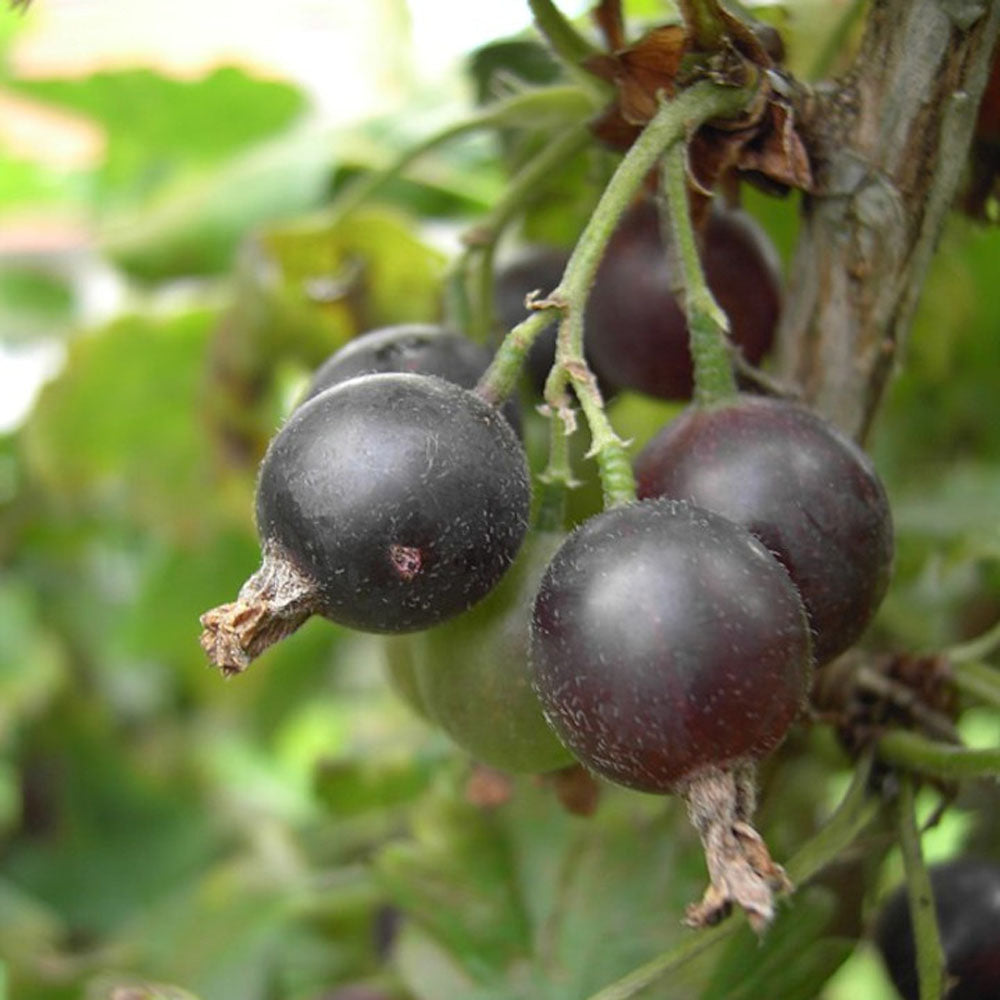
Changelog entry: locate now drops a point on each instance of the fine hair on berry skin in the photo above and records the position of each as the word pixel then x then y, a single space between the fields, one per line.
pixel 667 639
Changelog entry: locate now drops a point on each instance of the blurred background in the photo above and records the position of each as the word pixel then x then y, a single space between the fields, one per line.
pixel 168 279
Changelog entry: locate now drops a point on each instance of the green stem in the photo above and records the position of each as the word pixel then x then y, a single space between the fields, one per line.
pixel 855 811
pixel 978 680
pixel 670 124
pixel 705 24
pixel 500 379
pixel 557 479
pixel 550 515
pixel 708 325
pixel 613 463
pixel 976 649
pixel 937 760
pixel 535 108
pixel 672 121
pixel 567 43
pixel 483 238
pixel 927 940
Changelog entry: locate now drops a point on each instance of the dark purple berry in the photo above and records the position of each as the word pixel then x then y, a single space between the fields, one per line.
pixel 967 903
pixel 387 503
pixel 403 496
pixel 806 491
pixel 636 332
pixel 418 348
pixel 666 641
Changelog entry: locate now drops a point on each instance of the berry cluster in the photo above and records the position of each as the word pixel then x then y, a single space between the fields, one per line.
pixel 667 644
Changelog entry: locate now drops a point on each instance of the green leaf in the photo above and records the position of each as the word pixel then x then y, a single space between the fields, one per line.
pixel 33 303
pixel 114 837
pixel 373 270
pixel 121 425
pixel 521 898
pixel 24 182
pixel 194 122
pixel 194 224
pixel 791 958
pixel 32 663
pixel 351 786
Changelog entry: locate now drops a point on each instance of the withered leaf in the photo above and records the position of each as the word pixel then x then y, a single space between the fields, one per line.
pixel 641 72
pixel 777 152
pixel 763 143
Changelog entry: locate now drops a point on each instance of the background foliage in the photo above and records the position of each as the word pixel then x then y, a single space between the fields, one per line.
pixel 299 829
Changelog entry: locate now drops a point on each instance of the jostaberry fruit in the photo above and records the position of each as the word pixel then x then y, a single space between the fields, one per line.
pixel 667 640
pixel 805 490
pixel 671 651
pixel 636 332
pixel 418 348
pixel 967 903
pixel 387 503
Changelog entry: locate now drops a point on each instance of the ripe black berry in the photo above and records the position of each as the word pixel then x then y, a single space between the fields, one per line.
pixel 967 903
pixel 667 640
pixel 418 348
pixel 806 491
pixel 670 651
pixel 636 332
pixel 387 503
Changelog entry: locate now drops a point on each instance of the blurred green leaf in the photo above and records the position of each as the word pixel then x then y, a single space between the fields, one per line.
pixel 302 290
pixel 943 406
pixel 495 67
pixel 193 224
pixel 25 182
pixel 176 585
pixel 194 122
pixel 122 424
pixel 32 664
pixel 350 786
pixel 372 270
pixel 791 961
pixel 111 835
pixel 531 902
pixel 33 303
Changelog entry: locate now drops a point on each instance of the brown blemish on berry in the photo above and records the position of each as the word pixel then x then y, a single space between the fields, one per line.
pixel 406 560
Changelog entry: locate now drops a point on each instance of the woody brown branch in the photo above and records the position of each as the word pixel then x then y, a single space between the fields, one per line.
pixel 889 145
